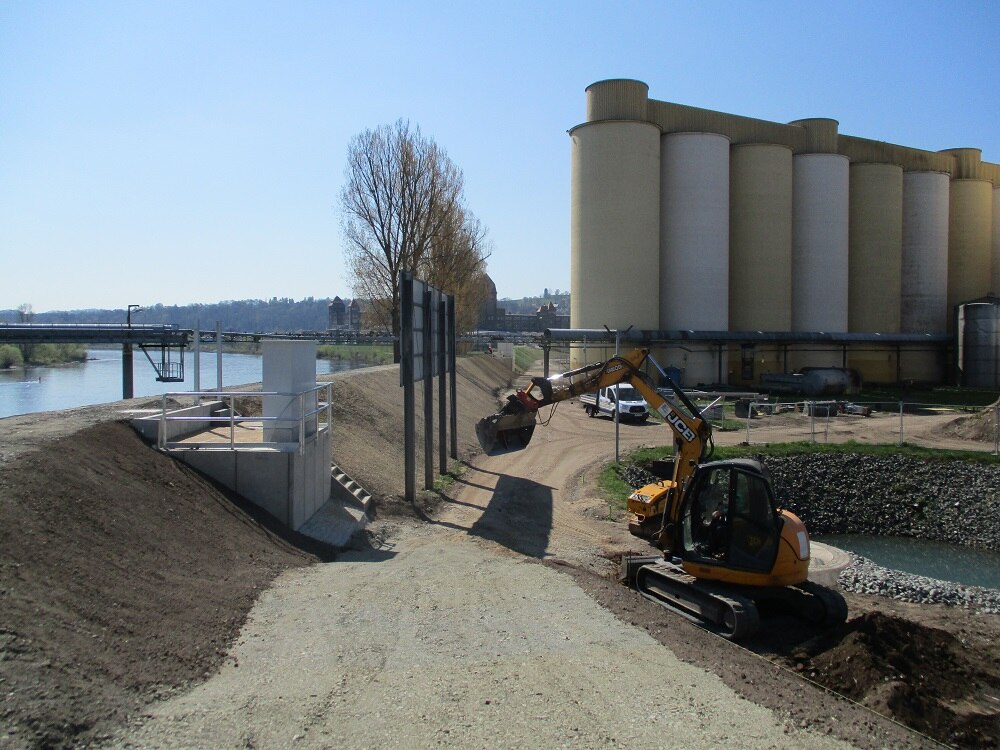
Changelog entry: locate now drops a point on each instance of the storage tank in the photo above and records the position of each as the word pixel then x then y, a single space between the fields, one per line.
pixel 694 243
pixel 760 251
pixel 875 231
pixel 819 250
pixel 924 288
pixel 970 238
pixel 614 232
pixel 995 282
pixel 980 338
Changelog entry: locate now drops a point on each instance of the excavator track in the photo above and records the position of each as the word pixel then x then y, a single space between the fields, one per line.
pixel 729 611
pixel 731 615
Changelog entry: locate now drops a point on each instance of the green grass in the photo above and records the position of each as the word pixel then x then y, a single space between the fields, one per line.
pixel 525 357
pixel 942 395
pixel 57 354
pixel 373 354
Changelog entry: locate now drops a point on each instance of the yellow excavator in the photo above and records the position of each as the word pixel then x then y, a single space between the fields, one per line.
pixel 728 549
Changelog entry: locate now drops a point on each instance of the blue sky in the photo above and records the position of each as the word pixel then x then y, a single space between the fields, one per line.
pixel 183 152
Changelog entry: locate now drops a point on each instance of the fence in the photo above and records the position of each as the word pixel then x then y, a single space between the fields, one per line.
pixel 929 425
pixel 307 425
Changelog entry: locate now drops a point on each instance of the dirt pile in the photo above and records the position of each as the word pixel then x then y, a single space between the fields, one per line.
pixel 123 574
pixel 923 677
pixel 981 427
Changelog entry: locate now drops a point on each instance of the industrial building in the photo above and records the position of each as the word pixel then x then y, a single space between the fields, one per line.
pixel 806 247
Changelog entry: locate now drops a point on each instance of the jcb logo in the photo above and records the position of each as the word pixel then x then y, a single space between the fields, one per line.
pixel 614 368
pixel 686 432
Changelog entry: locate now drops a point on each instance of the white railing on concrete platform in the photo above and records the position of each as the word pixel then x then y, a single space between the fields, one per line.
pixel 308 417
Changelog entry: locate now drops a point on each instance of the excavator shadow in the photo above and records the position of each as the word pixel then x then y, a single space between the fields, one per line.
pixel 517 516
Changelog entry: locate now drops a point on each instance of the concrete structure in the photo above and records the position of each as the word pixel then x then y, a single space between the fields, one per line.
pixel 281 462
pixel 717 222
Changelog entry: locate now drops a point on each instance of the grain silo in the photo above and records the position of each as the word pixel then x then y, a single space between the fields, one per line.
pixel 789 243
pixel 924 286
pixel 760 249
pixel 819 250
pixel 614 258
pixel 694 245
pixel 875 261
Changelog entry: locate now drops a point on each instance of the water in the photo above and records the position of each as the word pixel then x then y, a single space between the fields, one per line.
pixel 945 562
pixel 99 379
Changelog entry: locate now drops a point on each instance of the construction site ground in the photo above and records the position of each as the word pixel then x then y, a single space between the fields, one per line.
pixel 142 606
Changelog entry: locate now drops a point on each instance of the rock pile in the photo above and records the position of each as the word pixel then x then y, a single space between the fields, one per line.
pixel 940 500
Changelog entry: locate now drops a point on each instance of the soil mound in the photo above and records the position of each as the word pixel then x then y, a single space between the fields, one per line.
pixel 981 427
pixel 923 677
pixel 123 575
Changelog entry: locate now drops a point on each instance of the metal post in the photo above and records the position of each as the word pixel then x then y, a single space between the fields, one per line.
pixel 162 436
pixel 197 356
pixel 232 423
pixel 900 423
pixel 452 374
pixel 442 383
pixel 618 414
pixel 409 396
pixel 996 428
pixel 428 393
pixel 750 409
pixel 812 420
pixel 127 383
pixel 218 355
pixel 545 359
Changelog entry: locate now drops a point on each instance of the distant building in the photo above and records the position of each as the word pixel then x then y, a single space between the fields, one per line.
pixel 343 316
pixel 495 318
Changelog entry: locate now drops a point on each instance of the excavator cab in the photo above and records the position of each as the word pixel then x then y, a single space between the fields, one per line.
pixel 728 517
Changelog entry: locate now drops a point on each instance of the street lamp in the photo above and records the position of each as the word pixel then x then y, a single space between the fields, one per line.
pixel 128 313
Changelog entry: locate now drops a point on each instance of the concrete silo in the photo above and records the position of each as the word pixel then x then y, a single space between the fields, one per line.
pixel 820 243
pixel 995 278
pixel 614 258
pixel 694 246
pixel 924 287
pixel 875 262
pixel 760 250
pixel 970 230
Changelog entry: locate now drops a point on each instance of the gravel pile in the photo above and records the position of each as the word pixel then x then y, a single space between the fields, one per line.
pixel 863 576
pixel 635 476
pixel 940 500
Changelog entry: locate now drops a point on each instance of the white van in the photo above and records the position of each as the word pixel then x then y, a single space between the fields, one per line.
pixel 629 404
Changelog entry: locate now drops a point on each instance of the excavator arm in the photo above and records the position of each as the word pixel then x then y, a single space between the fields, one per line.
pixel 516 420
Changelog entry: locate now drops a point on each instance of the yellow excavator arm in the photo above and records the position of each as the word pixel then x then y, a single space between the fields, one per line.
pixel 692 434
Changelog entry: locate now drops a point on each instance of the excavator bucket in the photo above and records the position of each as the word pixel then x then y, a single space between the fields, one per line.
pixel 511 427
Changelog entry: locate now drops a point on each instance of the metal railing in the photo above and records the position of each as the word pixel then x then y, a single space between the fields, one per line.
pixel 310 407
pixel 929 425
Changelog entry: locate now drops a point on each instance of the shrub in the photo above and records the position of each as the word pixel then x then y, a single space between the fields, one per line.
pixel 10 356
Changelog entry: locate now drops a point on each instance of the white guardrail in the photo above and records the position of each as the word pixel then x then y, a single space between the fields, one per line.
pixel 306 426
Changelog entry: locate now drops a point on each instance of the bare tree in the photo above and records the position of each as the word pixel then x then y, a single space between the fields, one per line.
pixel 402 210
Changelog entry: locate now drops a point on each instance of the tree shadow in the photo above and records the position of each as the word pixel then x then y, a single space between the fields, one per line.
pixel 518 516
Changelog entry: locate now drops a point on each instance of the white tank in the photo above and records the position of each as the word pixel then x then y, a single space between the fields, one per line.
pixel 970 238
pixel 819 250
pixel 760 238
pixel 924 295
pixel 694 242
pixel 614 231
pixel 924 288
pixel 995 278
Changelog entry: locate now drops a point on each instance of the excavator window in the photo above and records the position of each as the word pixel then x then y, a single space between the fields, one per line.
pixel 753 526
pixel 730 518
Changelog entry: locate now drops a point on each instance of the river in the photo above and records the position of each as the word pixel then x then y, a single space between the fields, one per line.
pixel 99 379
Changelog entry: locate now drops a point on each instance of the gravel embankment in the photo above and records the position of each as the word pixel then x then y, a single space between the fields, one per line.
pixel 940 500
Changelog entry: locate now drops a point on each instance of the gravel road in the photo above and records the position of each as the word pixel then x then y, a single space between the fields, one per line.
pixel 382 649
